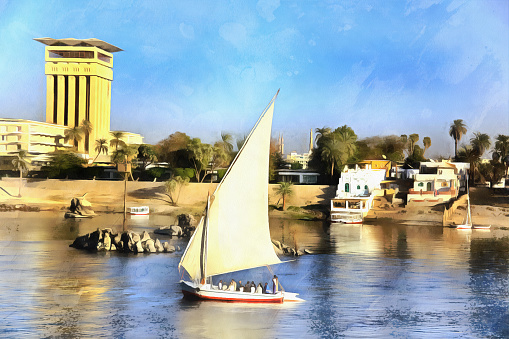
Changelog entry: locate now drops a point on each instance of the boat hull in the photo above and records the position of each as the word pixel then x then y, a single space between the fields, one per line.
pixel 204 292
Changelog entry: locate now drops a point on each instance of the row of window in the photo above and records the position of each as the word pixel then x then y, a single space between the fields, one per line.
pixel 347 187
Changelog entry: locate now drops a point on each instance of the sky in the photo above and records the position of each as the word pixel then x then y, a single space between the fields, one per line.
pixel 206 67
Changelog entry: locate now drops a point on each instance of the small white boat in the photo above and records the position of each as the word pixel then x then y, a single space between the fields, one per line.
pixel 141 210
pixel 233 235
pixel 468 220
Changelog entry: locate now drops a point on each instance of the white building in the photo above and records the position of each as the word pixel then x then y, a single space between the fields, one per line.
pixel 356 190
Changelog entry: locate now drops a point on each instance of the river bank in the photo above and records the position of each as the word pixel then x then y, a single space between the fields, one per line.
pixel 309 202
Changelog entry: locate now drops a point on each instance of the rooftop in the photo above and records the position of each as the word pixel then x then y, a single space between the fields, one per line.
pixel 80 42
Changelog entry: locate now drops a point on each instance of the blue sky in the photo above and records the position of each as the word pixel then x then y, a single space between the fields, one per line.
pixel 203 67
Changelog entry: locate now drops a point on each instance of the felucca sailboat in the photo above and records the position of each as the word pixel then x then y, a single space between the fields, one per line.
pixel 233 234
pixel 468 219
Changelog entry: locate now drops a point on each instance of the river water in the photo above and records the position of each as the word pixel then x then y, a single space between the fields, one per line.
pixel 361 282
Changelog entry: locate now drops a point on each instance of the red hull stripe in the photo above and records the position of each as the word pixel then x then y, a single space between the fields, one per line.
pixel 201 297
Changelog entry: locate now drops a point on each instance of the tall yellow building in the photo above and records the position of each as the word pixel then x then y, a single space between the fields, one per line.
pixel 78 85
pixel 79 73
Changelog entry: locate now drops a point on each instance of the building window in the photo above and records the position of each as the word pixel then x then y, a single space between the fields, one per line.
pixel 365 187
pixel 347 187
pixel 421 184
pixel 358 187
pixel 428 187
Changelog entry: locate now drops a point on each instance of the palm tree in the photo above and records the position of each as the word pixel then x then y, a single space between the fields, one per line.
pixel 73 134
pixel 427 143
pixel 331 152
pixel 284 190
pixel 456 131
pixel 101 146
pixel 502 145
pixel 413 138
pixel 240 142
pixel 117 139
pixel 86 128
pixel 227 142
pixel 20 164
pixel 480 142
pixel 321 132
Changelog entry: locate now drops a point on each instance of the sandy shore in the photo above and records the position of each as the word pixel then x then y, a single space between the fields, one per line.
pixel 107 197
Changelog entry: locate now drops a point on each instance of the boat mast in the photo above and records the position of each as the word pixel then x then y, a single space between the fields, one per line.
pixel 203 254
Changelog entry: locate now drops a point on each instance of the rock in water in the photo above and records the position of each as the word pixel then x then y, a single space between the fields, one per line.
pixel 149 246
pixel 176 231
pixel 145 236
pixel 107 241
pixel 168 248
pixel 139 247
pixel 136 237
pixel 158 246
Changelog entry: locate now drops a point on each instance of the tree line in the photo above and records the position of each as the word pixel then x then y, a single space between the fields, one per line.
pixel 192 160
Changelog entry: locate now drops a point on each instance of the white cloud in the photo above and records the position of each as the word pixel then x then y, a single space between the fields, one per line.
pixel 187 31
pixel 266 9
pixel 345 28
pixel 234 33
pixel 415 5
pixel 312 42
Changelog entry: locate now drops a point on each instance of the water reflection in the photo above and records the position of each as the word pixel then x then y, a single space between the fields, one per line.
pixel 362 281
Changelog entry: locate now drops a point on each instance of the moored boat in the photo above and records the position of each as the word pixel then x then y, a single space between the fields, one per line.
pixel 139 210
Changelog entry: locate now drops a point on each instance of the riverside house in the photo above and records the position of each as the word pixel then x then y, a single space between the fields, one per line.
pixel 438 182
pixel 357 189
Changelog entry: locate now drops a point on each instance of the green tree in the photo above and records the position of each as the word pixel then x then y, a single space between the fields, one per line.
pixel 174 186
pixel 146 155
pixel 480 143
pixel 492 172
pixel 456 131
pixel 502 148
pixel 117 139
pixel 284 190
pixel 64 164
pixel 101 146
pixel 125 155
pixel 412 140
pixel 174 150
pixel 240 142
pixel 73 134
pixel 86 129
pixel 320 132
pixel 20 163
pixel 227 142
pixel 427 144
pixel 200 155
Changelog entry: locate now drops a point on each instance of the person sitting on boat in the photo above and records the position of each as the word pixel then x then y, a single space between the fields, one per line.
pixel 264 290
pixel 220 285
pixel 275 282
pixel 253 287
pixel 247 287
pixel 259 288
pixel 233 286
pixel 240 288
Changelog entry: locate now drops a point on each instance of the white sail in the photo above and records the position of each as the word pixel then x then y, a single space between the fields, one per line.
pixel 191 258
pixel 238 234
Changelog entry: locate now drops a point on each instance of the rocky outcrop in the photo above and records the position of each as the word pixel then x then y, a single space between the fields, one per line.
pixel 283 249
pixel 183 229
pixel 128 242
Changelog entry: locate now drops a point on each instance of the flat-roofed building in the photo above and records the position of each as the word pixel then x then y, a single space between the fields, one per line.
pixel 79 73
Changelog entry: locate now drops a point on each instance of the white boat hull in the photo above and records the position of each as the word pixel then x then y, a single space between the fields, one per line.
pixel 205 292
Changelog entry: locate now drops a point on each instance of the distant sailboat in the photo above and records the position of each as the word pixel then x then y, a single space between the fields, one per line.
pixel 233 234
pixel 468 219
